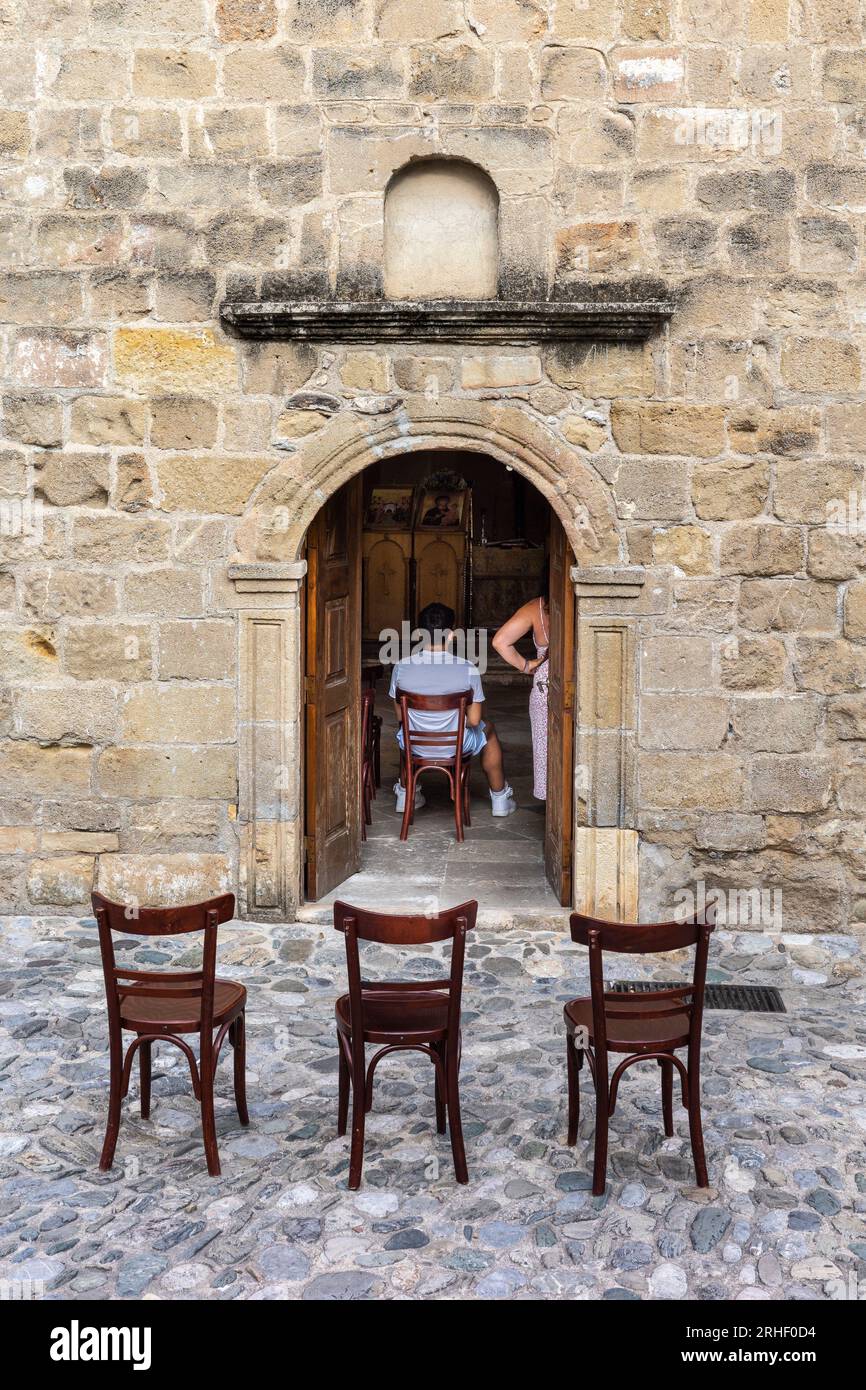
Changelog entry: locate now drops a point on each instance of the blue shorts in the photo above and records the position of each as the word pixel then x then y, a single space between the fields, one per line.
pixel 474 739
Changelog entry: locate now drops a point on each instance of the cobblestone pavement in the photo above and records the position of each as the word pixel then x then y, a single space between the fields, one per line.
pixel 784 1113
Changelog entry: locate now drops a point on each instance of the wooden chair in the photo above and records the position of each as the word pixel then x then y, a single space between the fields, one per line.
pixel 647 1026
pixel 402 1016
pixel 368 759
pixel 456 766
pixel 158 1005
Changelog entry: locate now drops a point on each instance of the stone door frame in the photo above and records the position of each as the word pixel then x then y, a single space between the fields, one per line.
pixel 266 588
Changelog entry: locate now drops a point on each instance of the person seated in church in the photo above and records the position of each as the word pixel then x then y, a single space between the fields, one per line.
pixel 437 671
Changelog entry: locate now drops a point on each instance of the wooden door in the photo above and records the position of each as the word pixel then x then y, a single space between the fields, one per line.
pixel 333 693
pixel 558 832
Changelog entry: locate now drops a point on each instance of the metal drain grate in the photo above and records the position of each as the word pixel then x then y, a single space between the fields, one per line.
pixel 749 999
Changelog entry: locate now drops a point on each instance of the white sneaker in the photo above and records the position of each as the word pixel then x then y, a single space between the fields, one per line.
pixel 400 794
pixel 504 803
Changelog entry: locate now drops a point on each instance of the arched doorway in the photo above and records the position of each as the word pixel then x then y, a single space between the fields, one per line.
pixel 266 579
pixel 462 529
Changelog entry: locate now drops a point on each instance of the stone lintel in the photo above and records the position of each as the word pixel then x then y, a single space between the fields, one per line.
pixel 452 321
pixel 608 581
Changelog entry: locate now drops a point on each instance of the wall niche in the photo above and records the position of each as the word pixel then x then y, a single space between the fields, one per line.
pixel 441 232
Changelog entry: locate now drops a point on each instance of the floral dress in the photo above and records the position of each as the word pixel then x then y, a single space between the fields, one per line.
pixel 538 715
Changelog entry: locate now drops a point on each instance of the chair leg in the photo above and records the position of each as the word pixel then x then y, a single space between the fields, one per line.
pixel 440 1099
pixel 574 1063
pixel 410 803
pixel 112 1128
pixel 599 1164
pixel 667 1069
pixel 343 1089
pixel 144 1060
pixel 696 1132
pixel 238 1036
pixel 467 799
pixel 458 810
pixel 452 1098
pixel 208 1121
pixel 359 1110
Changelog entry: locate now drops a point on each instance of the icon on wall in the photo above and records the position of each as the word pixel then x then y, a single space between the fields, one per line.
pixel 441 509
pixel 389 509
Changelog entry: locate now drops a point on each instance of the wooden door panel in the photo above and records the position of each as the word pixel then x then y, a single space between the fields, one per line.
pixel 558 832
pixel 333 692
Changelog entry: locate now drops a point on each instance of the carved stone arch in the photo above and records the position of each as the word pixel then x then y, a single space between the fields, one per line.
pixel 274 527
pixel 267 575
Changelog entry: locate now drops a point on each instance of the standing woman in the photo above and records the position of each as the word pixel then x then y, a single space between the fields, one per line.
pixel 533 617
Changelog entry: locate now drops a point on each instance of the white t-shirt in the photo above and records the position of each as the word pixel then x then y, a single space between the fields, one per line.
pixel 435 672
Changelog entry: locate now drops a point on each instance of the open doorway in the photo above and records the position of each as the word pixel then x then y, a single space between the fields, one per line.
pixel 463 529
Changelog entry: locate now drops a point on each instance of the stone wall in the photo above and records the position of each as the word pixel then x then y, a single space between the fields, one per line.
pixel 158 156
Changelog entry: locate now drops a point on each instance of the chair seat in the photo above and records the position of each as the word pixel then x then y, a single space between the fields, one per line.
pixel 180 1015
pixel 400 1016
pixel 635 1034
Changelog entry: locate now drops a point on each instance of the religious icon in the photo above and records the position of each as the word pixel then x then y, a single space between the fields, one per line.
pixel 441 509
pixel 389 509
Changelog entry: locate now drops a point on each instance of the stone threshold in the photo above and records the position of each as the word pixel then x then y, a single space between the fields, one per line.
pixel 628 315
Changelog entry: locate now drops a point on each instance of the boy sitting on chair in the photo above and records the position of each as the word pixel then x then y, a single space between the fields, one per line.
pixel 437 671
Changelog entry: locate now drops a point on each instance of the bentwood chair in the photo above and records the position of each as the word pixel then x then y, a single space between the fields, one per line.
pixel 646 1026
pixel 157 1005
pixel 400 1016
pixel 418 756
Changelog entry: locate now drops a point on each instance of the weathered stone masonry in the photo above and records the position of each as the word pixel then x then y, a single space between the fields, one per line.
pixel 160 159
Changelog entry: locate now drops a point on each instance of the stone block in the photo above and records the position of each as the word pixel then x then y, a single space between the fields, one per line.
pixel 72 480
pixel 752 663
pixel 688 547
pixel 210 482
pixel 730 832
pixel 788 605
pixel 704 781
pixel 33 418
pixel 668 427
pixel 90 74
pixel 96 651
pixel 73 239
pixel 107 420
pixel 762 548
pixel 669 722
pixel 652 74
pixel 62 881
pixel 45 297
pixel 788 432
pixel 776 723
pixel 167 74
pixel 676 663
pixel 148 772
pixel 169 714
pixel 61 593
pixel 197 651
pixel 601 369
pixel 365 371
pixel 491 372
pixel 183 422
pixel 241 21
pixel 790 783
pixel 648 489
pixel 116 540
pixel 596 248
pixel 820 364
pixel 142 132
pixel 163 880
pixel 730 489
pixel 269 74
pixel 272 368
pixel 179 359
pixel 575 74
pixel 831 667
pixel 43 771
pixel 67 716
pixel 52 357
pixel 29 653
pixel 855 611
pixel 172 592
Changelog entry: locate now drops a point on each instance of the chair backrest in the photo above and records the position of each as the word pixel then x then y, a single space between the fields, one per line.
pixel 649 938
pixel 425 743
pixel 368 701
pixel 357 924
pixel 161 921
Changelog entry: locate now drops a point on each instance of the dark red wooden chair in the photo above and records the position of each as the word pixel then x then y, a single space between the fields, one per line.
pixel 651 1026
pixel 368 758
pixel 401 1016
pixel 157 1005
pixel 456 766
